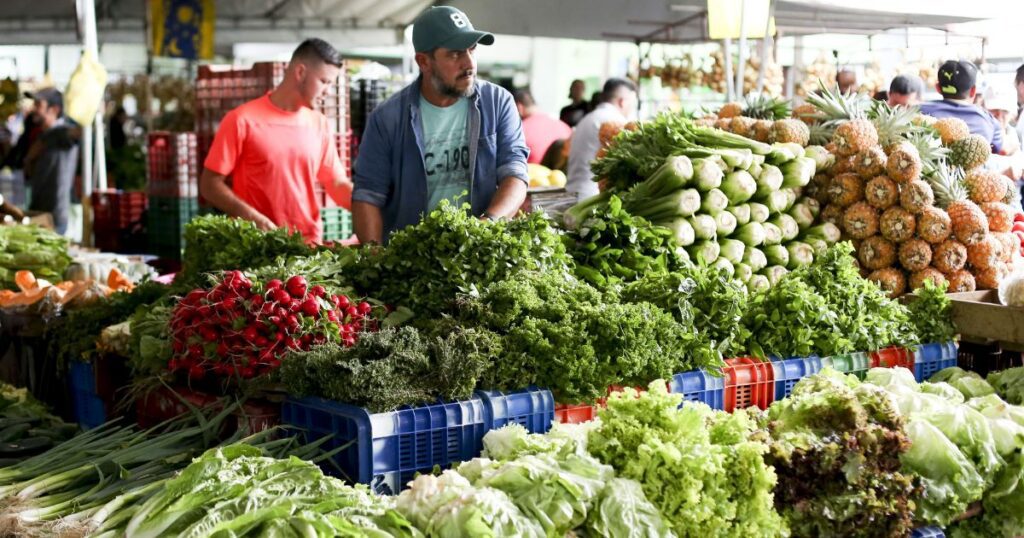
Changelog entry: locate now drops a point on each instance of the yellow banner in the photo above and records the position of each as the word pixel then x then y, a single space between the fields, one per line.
pixel 183 28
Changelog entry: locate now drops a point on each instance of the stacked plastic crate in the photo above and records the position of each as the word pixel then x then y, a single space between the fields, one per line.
pixel 172 182
pixel 336 106
pixel 118 219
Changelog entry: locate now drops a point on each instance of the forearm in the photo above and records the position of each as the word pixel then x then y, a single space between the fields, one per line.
pixel 214 188
pixel 368 222
pixel 509 198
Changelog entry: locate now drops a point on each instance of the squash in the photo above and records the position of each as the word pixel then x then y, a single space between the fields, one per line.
pixel 25 280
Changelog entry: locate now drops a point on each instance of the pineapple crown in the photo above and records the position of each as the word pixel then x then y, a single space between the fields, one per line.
pixel 764 107
pixel 835 106
pixel 893 124
pixel 948 184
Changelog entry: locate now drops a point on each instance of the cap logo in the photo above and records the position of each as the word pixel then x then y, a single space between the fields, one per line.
pixel 459 20
pixel 948 75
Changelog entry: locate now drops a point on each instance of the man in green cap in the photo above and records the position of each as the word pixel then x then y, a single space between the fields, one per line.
pixel 447 136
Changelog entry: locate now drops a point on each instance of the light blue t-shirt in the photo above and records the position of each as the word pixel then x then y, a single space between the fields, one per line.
pixel 446 151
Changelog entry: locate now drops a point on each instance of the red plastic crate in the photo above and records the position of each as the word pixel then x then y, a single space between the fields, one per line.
pixel 574 414
pixel 748 382
pixel 116 209
pixel 172 169
pixel 162 404
pixel 891 357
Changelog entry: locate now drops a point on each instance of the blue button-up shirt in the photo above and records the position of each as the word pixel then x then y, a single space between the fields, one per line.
pixel 390 172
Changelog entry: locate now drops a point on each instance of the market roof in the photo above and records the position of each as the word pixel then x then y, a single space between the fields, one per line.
pixel 380 22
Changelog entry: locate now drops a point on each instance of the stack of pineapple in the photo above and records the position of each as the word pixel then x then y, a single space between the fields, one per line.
pixel 912 195
pixel 764 119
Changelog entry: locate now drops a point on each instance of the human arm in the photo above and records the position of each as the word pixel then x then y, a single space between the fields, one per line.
pixel 214 188
pixel 332 173
pixel 512 176
pixel 368 222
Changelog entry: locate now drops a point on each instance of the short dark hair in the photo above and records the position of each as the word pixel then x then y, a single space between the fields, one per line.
pixel 612 87
pixel 906 85
pixel 317 49
pixel 1019 79
pixel 523 97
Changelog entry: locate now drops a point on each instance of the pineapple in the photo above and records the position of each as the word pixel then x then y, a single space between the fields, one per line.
pixel 916 195
pixel 1012 196
pixel 846 190
pixel 960 281
pixel 870 162
pixel 818 188
pixel 833 214
pixel 724 124
pixel 947 185
pixel 985 186
pixel 742 126
pixel 904 163
pixel 924 120
pixel 989 279
pixel 891 280
pixel 806 113
pixel 876 252
pixel 762 130
pixel 843 165
pixel 918 278
pixel 860 221
pixel 897 224
pixel 881 192
pixel 730 110
pixel 970 226
pixel 950 256
pixel 915 254
pixel 705 122
pixel 790 130
pixel 933 225
pixel 999 215
pixel 951 129
pixel 930 150
pixel 986 253
pixel 854 136
pixel 1009 244
pixel 892 124
pixel 969 153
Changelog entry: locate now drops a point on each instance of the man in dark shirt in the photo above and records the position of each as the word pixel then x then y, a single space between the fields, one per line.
pixel 573 113
pixel 53 158
pixel 957 85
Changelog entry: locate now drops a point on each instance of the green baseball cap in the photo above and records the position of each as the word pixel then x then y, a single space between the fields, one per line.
pixel 445 26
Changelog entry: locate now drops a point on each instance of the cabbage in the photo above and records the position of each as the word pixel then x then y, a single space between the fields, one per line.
pixel 943 390
pixel 623 511
pixel 885 377
pixel 972 386
pixel 969 430
pixel 950 481
pixel 951 374
pixel 1009 384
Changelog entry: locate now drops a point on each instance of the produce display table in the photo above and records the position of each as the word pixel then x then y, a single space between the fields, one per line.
pixel 23 358
pixel 981 319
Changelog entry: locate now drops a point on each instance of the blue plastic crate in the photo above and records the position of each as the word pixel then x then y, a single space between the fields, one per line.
pixel 532 408
pixel 931 358
pixel 789 372
pixel 88 406
pixel 928 532
pixel 386 450
pixel 700 386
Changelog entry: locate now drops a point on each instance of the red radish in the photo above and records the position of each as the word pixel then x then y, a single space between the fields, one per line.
pixel 343 302
pixel 274 284
pixel 296 286
pixel 311 307
pixel 365 308
pixel 317 291
pixel 352 312
pixel 196 372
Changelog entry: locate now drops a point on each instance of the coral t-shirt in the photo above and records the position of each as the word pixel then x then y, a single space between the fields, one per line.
pixel 273 157
pixel 541 131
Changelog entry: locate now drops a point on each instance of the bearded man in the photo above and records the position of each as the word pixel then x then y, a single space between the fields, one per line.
pixel 446 136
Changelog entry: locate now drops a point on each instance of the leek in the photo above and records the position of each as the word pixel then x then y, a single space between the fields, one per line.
pixel 759 212
pixel 817 244
pixel 798 172
pixel 741 212
pixel 788 225
pixel 707 174
pixel 680 203
pixel 777 202
pixel 782 153
pixel 725 266
pixel 725 224
pixel 714 202
pixel 777 255
pixel 756 169
pixel 769 181
pixel 758 283
pixel 575 215
pixel 739 186
pixel 704 252
pixel 704 226
pixel 802 215
pixel 826 231
pixel 743 272
pixel 732 250
pixel 823 160
pixel 800 255
pixel 772 234
pixel 775 273
pixel 752 234
pixel 755 258
pixel 682 231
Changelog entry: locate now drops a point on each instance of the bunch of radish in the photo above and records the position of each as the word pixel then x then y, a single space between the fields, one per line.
pixel 1018 229
pixel 241 328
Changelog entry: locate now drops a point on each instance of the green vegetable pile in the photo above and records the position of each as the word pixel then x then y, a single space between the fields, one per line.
pixel 562 334
pixel 1009 384
pixel 612 247
pixel 931 312
pixel 219 243
pixel 836 448
pixel 424 267
pixel 31 248
pixel 825 309
pixel 696 465
pixel 26 426
pixel 393 367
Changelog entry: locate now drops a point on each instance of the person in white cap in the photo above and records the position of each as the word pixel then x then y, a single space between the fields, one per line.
pixel 1001 103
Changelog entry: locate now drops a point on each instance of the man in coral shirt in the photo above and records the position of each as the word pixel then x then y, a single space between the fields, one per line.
pixel 274 148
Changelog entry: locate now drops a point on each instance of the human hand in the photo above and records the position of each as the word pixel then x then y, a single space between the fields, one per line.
pixel 262 222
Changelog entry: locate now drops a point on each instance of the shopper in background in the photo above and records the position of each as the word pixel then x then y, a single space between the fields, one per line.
pixel 446 136
pixel 1018 82
pixel 957 86
pixel 539 129
pixel 118 136
pixel 572 114
pixel 52 159
pixel 905 90
pixel 1002 105
pixel 277 147
pixel 618 106
pixel 847 81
